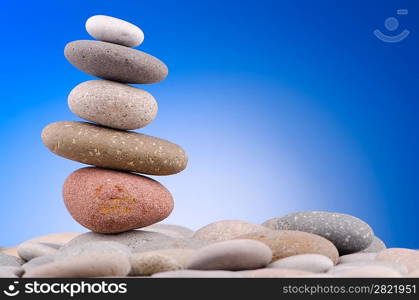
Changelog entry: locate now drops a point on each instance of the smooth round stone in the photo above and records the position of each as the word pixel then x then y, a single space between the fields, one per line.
pixel 108 201
pixel 9 261
pixel 10 272
pixel 347 233
pixel 407 257
pixel 231 255
pixel 198 274
pixel 30 250
pixel 100 247
pixel 377 245
pixel 114 149
pixel 91 265
pixel 357 257
pixel 400 268
pixel 284 243
pixel 113 30
pixel 112 104
pixel 315 263
pixel 174 231
pixel 134 239
pixel 182 243
pixel 226 230
pixel 38 261
pixel 274 273
pixel 368 272
pixel 149 263
pixel 115 62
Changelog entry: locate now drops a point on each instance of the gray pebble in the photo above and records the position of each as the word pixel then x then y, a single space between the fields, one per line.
pixel 174 231
pixel 113 30
pixel 92 248
pixel 115 62
pixel 38 261
pixel 349 234
pixel 30 250
pixel 9 261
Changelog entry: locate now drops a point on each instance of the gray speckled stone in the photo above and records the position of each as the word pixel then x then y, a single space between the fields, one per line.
pixel 88 265
pixel 347 233
pixel 307 262
pixel 114 149
pixel 377 245
pixel 114 30
pixel 134 239
pixel 112 104
pixel 94 247
pixel 198 274
pixel 8 261
pixel 174 231
pixel 38 261
pixel 231 255
pixel 149 263
pixel 115 62
pixel 30 250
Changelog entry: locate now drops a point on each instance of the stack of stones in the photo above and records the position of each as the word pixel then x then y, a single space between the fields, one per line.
pixel 110 197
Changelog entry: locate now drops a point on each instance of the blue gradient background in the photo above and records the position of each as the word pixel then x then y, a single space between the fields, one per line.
pixel 282 106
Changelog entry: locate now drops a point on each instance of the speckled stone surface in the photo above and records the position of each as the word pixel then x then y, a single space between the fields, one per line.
pixel 94 247
pixel 349 234
pixel 226 230
pixel 377 245
pixel 114 30
pixel 233 255
pixel 91 265
pixel 177 243
pixel 112 104
pixel 115 62
pixel 134 239
pixel 114 149
pixel 174 231
pixel 284 243
pixel 109 201
pixel 30 250
pixel 149 263
pixel 307 262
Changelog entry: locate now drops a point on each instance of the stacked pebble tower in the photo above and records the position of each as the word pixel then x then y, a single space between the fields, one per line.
pixel 110 197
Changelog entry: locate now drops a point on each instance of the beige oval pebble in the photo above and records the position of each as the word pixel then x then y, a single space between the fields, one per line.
pixel 114 30
pixel 112 104
pixel 231 255
pixel 408 257
pixel 114 62
pixel 368 272
pixel 286 243
pixel 94 265
pixel 197 274
pixel 356 257
pixel 175 231
pixel 149 263
pixel 307 262
pixel 227 230
pixel 274 273
pixel 108 148
pixel 109 201
pixel 30 250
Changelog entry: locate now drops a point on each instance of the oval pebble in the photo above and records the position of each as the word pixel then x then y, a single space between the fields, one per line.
pixel 368 272
pixel 198 274
pixel 100 247
pixel 114 30
pixel 115 62
pixel 174 231
pixel 108 148
pixel 38 261
pixel 10 272
pixel 149 263
pixel 9 260
pixel 226 230
pixel 349 234
pixel 398 267
pixel 182 243
pixel 357 257
pixel 134 239
pixel 30 250
pixel 91 265
pixel 112 104
pixel 407 257
pixel 274 273
pixel 284 243
pixel 231 255
pixel 315 263
pixel 109 201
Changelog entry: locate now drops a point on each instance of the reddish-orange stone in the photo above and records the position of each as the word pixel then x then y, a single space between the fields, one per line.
pixel 108 201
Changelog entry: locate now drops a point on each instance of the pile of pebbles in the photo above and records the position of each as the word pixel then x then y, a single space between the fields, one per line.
pixel 303 244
